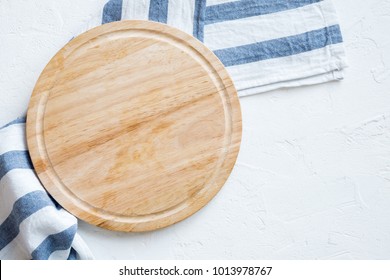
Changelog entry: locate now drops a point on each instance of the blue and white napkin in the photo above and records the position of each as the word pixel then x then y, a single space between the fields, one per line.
pixel 264 44
pixel 32 226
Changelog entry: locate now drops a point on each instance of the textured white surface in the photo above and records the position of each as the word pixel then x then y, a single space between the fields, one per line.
pixel 312 179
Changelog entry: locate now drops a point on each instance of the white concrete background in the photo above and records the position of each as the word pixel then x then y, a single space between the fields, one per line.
pixel 312 179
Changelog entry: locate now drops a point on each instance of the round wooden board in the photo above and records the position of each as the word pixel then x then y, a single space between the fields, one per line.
pixel 134 126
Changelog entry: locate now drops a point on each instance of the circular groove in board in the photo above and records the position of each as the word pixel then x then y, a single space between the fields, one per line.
pixel 134 126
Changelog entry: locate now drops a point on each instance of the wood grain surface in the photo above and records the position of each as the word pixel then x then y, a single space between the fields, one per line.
pixel 134 126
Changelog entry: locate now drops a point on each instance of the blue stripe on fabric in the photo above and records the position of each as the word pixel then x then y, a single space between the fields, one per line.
pixel 14 159
pixel 17 121
pixel 282 47
pixel 112 11
pixel 72 255
pixel 56 204
pixel 199 15
pixel 158 10
pixel 54 242
pixel 248 8
pixel 22 209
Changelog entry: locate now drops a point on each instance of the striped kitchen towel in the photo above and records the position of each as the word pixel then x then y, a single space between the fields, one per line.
pixel 264 44
pixel 32 225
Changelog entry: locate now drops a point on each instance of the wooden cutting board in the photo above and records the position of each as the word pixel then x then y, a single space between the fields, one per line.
pixel 134 126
